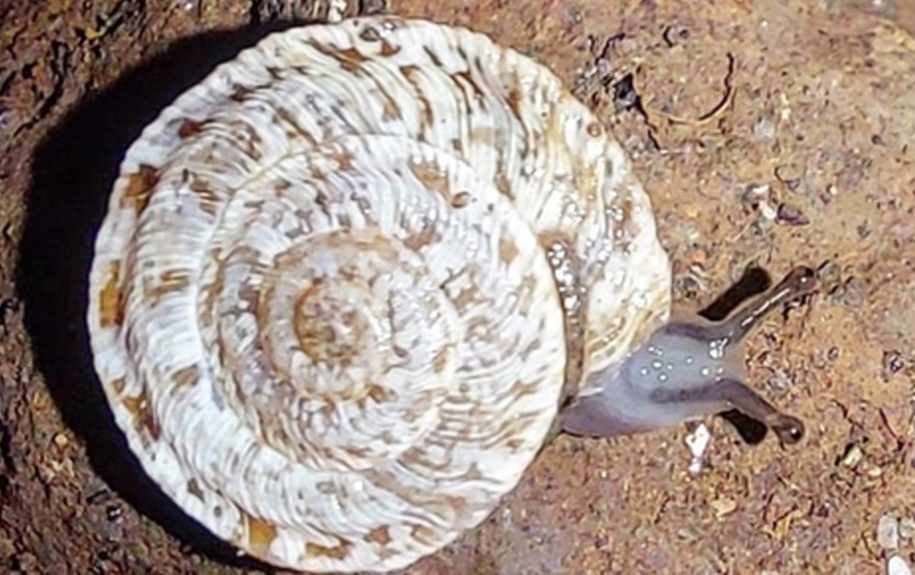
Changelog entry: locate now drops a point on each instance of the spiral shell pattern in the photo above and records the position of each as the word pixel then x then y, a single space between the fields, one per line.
pixel 343 281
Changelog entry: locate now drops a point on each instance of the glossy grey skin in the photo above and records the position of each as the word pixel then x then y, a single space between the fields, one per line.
pixel 688 368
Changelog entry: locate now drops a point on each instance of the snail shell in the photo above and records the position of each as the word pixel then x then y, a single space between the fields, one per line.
pixel 344 283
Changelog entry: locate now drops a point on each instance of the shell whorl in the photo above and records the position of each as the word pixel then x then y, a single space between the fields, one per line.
pixel 343 281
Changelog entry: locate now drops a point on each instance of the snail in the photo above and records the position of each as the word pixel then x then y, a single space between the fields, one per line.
pixel 350 283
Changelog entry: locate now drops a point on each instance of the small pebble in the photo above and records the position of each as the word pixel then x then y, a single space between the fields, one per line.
pixel 61 440
pixel 698 442
pixel 897 566
pixel 892 364
pixel 698 256
pixel 888 532
pixel 852 456
pixel 723 506
pixel 765 129
pixel 757 197
pixel 791 216
pixel 907 528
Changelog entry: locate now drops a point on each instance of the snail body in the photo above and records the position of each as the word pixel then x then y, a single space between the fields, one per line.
pixel 347 281
pixel 687 368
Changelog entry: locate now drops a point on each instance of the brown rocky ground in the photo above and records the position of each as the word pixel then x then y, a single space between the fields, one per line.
pixel 768 133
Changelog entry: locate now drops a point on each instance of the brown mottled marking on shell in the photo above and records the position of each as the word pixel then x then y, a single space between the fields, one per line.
pixel 380 535
pixel 428 235
pixel 370 34
pixel 118 385
pixel 504 186
pixel 440 360
pixel 465 297
pixel 324 202
pixel 388 49
pixel 343 158
pixel 189 128
pixel 170 281
pixel 461 200
pixel 289 120
pixel 194 489
pixel 240 94
pixel 391 110
pixel 440 505
pixel 210 295
pixel 338 551
pixel 508 251
pixel 525 293
pixel 422 534
pixel 432 56
pixel 349 59
pixel 143 417
pixel 514 102
pixel 358 452
pixel 317 339
pixel 111 312
pixel 378 393
pixel 261 533
pixel 253 142
pixel 482 135
pixel 209 198
pixel 412 73
pixel 432 177
pixel 186 376
pixel 521 388
pixel 139 187
pixel 505 433
pixel 467 78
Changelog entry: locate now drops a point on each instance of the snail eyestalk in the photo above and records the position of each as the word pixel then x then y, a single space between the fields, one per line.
pixel 688 368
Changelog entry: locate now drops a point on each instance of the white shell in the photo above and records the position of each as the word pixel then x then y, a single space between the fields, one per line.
pixel 342 281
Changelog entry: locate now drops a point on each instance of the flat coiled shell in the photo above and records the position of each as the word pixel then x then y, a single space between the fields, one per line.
pixel 343 280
